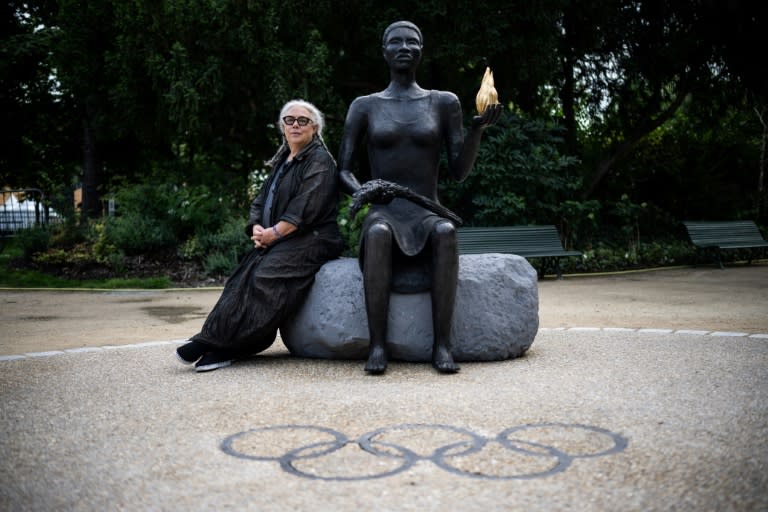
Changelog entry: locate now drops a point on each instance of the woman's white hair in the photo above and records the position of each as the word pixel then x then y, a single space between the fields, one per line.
pixel 314 114
pixel 317 119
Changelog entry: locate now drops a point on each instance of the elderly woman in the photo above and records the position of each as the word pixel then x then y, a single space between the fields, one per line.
pixel 293 227
pixel 404 246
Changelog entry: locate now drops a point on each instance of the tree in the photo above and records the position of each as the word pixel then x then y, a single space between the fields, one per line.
pixel 82 41
pixel 36 149
pixel 632 68
pixel 187 91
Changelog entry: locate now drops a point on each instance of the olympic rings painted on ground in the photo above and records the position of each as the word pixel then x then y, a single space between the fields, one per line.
pixel 516 453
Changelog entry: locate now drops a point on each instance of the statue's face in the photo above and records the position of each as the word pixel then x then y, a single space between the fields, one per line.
pixel 402 49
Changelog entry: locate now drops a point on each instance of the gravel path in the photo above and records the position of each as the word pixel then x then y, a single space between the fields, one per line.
pixel 642 391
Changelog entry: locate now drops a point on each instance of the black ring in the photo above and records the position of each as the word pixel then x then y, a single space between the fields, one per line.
pixel 341 440
pixel 444 457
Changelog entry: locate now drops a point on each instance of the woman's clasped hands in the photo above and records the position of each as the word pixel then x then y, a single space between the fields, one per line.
pixel 262 236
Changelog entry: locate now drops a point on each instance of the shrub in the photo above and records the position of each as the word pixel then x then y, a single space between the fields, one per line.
pixel 520 176
pixel 151 217
pixel 33 240
pixel 350 228
pixel 135 233
pixel 611 257
pixel 218 264
pixel 219 251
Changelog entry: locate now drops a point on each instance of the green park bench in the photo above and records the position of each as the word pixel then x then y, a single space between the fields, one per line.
pixel 526 241
pixel 711 237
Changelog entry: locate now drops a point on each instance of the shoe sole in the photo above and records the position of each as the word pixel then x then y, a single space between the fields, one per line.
pixel 212 366
pixel 182 360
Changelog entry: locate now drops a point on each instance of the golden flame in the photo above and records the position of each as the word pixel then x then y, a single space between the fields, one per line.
pixel 487 94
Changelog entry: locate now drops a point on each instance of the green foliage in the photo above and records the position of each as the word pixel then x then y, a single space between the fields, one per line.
pixel 220 251
pixel 697 165
pixel 13 277
pixel 33 240
pixel 628 214
pixel 69 233
pixel 67 245
pixel 218 264
pixel 103 251
pixel 61 257
pixel 520 176
pixel 151 217
pixel 40 128
pixel 579 221
pixel 135 233
pixel 657 100
pixel 611 257
pixel 36 279
pixel 350 228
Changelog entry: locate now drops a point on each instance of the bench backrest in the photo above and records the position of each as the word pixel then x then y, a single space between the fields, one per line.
pixel 704 232
pixel 520 240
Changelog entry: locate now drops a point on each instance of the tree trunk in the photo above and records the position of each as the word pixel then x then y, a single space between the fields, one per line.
pixel 762 207
pixel 631 141
pixel 91 204
pixel 567 92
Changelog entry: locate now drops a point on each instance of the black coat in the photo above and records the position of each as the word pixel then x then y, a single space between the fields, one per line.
pixel 272 282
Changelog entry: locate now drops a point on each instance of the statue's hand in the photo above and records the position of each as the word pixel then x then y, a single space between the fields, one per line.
pixel 489 117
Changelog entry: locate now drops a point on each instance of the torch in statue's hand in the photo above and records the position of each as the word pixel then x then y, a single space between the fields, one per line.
pixel 487 103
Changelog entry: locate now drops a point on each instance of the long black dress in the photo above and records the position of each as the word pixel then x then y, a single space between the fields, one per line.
pixel 272 282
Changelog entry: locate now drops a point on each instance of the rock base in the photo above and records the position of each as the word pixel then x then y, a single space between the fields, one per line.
pixel 496 315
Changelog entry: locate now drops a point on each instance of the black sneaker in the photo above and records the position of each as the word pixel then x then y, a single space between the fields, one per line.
pixel 191 352
pixel 214 360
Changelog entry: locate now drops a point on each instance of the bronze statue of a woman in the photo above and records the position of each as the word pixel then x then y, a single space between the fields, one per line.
pixel 406 247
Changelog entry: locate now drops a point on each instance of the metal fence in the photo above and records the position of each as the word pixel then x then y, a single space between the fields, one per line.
pixel 22 209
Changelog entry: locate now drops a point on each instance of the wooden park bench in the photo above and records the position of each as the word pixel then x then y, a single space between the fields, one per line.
pixel 527 241
pixel 713 237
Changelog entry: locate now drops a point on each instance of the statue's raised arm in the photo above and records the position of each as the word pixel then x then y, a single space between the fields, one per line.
pixel 462 150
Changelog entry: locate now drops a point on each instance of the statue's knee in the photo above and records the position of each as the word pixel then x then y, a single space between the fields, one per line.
pixel 378 233
pixel 444 232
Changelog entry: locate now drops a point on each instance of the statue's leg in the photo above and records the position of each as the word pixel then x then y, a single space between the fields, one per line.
pixel 377 282
pixel 445 277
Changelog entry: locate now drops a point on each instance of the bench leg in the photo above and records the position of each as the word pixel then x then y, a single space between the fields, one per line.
pixel 543 268
pixel 547 264
pixel 718 260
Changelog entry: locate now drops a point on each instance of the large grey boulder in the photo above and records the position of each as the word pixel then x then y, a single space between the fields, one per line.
pixel 496 315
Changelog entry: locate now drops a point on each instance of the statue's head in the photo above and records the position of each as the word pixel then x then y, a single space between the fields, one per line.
pixel 401 24
pixel 402 44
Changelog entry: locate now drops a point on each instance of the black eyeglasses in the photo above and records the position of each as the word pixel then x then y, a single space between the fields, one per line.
pixel 303 121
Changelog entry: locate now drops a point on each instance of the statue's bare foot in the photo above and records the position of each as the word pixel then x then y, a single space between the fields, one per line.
pixel 377 361
pixel 442 360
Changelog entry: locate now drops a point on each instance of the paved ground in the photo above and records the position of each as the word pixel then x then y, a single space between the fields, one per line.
pixel 642 391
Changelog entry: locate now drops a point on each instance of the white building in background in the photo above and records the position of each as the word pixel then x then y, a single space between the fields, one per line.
pixel 16 214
